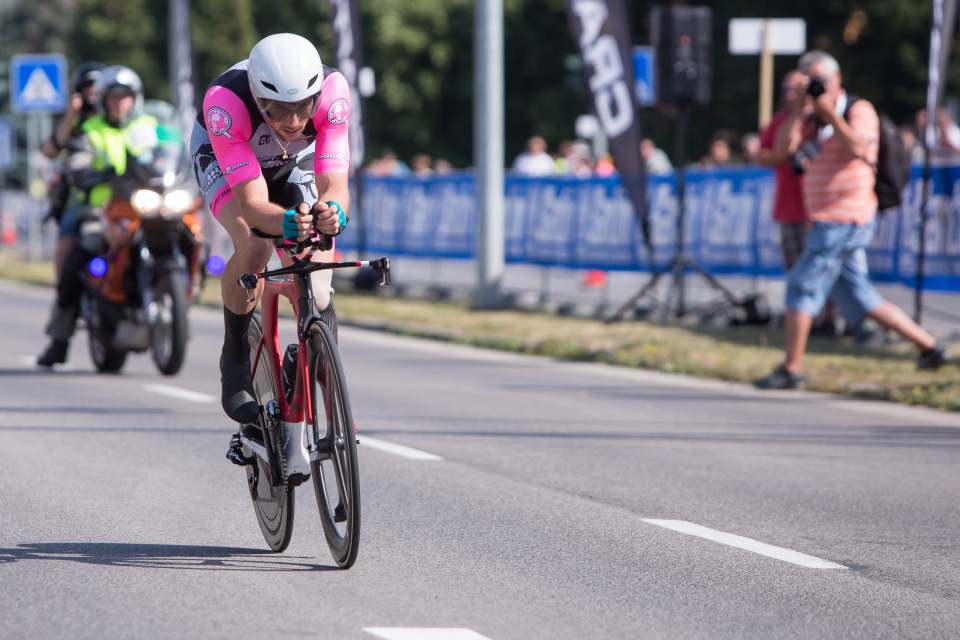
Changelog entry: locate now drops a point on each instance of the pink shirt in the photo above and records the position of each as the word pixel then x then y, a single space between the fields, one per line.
pixel 838 187
pixel 245 145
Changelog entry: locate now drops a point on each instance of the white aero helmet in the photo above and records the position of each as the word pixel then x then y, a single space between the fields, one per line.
pixel 120 79
pixel 285 68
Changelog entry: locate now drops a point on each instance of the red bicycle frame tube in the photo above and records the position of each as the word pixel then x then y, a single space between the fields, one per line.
pixel 299 408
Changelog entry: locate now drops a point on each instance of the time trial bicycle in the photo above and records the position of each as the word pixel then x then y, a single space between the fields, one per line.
pixel 306 428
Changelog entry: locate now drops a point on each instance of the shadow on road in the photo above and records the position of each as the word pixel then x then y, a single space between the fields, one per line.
pixel 160 556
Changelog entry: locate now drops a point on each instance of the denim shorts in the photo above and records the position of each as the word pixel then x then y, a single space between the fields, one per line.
pixel 834 264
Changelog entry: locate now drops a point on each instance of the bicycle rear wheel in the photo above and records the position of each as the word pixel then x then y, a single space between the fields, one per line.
pixel 335 474
pixel 271 495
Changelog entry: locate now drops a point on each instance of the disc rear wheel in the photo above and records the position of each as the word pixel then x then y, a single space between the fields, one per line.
pixel 271 495
pixel 335 473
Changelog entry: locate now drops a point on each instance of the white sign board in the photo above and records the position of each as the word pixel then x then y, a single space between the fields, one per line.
pixel 788 36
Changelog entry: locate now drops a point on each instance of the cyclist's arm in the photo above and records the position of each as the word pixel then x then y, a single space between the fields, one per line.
pixel 255 206
pixel 331 187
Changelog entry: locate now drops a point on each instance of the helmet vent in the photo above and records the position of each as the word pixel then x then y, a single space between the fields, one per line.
pixel 269 86
pixel 312 80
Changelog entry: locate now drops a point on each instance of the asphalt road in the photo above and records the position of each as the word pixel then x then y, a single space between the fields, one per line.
pixel 561 501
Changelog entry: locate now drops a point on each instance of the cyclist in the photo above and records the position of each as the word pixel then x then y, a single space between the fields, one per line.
pixel 106 139
pixel 274 129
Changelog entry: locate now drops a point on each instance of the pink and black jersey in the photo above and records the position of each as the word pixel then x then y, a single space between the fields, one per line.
pixel 232 142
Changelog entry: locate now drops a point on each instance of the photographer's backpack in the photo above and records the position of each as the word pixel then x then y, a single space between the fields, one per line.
pixel 893 162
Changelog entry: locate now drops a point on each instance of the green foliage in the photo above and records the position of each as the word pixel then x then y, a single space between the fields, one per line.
pixel 422 53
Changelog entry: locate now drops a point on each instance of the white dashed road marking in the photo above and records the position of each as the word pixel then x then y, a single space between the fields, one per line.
pixel 177 392
pixel 398 450
pixel 748 544
pixel 412 633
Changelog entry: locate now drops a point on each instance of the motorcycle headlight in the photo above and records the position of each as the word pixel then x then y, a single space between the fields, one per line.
pixel 146 202
pixel 178 201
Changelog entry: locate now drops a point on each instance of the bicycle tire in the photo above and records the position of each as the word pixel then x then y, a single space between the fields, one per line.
pixel 336 477
pixel 273 501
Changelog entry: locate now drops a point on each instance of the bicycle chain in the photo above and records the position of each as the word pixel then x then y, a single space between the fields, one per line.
pixel 275 430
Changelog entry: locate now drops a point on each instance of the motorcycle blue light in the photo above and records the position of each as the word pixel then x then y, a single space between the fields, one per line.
pixel 215 265
pixel 97 267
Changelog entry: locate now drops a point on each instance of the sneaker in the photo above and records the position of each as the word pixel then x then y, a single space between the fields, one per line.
pixel 933 358
pixel 780 378
pixel 56 353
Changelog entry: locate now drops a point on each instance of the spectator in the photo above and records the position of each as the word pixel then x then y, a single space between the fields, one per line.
pixel 389 165
pixel 750 147
pixel 945 130
pixel 535 161
pixel 778 142
pixel 564 149
pixel 442 166
pixel 605 166
pixel 420 165
pixel 720 152
pixel 654 158
pixel 842 208
pixel 911 143
pixel 580 159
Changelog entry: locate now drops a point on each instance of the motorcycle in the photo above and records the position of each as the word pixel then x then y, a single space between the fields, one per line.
pixel 137 292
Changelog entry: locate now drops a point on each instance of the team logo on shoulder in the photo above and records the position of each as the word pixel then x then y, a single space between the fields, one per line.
pixel 338 111
pixel 218 122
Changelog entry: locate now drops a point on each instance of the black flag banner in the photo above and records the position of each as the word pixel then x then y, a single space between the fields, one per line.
pixel 600 28
pixel 345 15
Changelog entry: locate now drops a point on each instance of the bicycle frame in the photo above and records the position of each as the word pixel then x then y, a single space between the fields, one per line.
pixel 299 292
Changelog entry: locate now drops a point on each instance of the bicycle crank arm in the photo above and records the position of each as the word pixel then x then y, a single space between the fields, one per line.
pixel 258 449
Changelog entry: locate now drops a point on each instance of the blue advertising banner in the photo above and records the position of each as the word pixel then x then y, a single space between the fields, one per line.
pixel 591 224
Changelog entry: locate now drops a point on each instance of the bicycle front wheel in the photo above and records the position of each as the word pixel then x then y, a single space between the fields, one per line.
pixel 271 495
pixel 335 473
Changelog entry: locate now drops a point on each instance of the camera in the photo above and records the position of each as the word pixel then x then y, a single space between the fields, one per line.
pixel 808 150
pixel 817 86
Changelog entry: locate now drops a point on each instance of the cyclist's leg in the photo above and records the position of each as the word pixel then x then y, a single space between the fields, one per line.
pixel 250 255
pixel 299 187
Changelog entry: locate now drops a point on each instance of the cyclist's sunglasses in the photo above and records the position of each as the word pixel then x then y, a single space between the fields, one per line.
pixel 279 111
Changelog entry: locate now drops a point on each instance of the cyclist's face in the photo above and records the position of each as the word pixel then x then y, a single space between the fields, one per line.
pixel 290 118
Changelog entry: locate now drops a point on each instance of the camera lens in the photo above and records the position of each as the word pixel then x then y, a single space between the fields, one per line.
pixel 816 87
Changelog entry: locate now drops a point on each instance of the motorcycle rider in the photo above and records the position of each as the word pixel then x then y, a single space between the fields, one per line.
pixel 81 107
pixel 274 129
pixel 102 150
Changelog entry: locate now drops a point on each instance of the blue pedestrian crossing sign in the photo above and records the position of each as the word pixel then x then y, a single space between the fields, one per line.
pixel 644 62
pixel 38 83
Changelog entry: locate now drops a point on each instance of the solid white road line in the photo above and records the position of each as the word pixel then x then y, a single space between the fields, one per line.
pixel 748 544
pixel 177 392
pixel 412 633
pixel 397 449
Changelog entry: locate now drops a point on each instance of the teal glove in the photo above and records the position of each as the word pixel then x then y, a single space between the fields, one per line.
pixel 290 230
pixel 340 212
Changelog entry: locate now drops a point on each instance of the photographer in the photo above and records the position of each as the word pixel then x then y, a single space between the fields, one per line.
pixel 838 156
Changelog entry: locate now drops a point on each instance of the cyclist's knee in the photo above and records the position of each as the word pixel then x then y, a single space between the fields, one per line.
pixel 322 288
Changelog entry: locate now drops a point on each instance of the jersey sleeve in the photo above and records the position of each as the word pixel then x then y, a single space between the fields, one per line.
pixel 230 129
pixel 332 122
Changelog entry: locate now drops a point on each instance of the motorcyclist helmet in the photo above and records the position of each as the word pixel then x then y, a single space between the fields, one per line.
pixel 82 78
pixel 121 80
pixel 285 75
pixel 85 75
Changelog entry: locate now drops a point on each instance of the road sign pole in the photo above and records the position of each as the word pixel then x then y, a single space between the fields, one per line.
pixel 33 176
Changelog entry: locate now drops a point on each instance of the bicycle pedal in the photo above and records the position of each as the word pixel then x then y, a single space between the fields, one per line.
pixel 239 459
pixel 340 514
pixel 235 453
